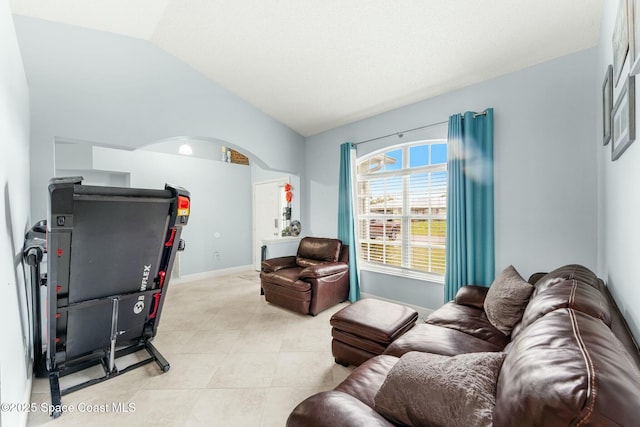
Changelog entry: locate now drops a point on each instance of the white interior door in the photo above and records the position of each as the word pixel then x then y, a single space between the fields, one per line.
pixel 266 215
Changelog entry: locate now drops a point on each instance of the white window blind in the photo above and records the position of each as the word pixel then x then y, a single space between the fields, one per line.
pixel 401 204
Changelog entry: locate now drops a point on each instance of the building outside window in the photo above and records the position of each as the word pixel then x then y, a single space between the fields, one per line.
pixel 401 209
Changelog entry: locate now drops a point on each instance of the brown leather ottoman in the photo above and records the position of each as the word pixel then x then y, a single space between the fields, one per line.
pixel 365 328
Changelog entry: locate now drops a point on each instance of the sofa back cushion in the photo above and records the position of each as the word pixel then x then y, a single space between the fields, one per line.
pixel 567 272
pixel 317 250
pixel 567 368
pixel 571 293
pixel 572 286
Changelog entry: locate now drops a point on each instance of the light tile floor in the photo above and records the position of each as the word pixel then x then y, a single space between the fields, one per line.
pixel 236 360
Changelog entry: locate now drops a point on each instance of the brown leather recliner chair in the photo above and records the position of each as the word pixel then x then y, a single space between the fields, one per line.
pixel 313 280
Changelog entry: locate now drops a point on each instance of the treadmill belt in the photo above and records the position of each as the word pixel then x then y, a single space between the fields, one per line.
pixel 116 247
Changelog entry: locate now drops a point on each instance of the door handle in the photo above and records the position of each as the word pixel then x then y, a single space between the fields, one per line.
pixel 275 223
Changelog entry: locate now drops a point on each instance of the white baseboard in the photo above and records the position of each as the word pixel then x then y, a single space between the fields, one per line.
pixel 213 273
pixel 423 312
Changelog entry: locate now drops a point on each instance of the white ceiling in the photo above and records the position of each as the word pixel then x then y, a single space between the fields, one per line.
pixel 318 64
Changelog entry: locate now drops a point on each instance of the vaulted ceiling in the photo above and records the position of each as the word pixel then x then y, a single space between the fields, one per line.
pixel 318 64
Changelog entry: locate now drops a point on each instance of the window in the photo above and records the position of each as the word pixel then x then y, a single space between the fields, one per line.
pixel 402 208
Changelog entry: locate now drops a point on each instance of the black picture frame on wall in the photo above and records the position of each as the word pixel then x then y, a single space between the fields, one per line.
pixel 607 105
pixel 623 119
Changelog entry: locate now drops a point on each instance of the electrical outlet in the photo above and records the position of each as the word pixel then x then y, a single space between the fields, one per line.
pixel 216 256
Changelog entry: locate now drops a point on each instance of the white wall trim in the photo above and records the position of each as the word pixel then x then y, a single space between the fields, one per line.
pixel 423 312
pixel 282 181
pixel 214 273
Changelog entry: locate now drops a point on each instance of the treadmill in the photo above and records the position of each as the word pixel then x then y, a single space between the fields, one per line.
pixel 110 253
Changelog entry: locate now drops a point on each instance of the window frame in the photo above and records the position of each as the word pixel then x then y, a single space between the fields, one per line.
pixel 405 172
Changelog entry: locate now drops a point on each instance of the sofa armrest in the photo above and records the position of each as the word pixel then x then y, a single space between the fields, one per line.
pixel 275 264
pixel 334 409
pixel 323 270
pixel 472 295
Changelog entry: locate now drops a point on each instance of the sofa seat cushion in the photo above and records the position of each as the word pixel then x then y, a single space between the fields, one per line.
pixel 470 320
pixel 425 389
pixel 429 338
pixel 567 368
pixel 365 381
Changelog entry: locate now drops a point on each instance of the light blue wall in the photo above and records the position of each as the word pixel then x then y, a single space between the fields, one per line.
pixel 618 197
pixel 218 235
pixel 100 87
pixel 15 339
pixel 545 168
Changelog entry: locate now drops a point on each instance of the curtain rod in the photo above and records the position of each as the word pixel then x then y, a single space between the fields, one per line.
pixel 483 113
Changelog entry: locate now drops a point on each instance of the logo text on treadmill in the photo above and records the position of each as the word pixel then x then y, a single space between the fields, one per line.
pixel 145 278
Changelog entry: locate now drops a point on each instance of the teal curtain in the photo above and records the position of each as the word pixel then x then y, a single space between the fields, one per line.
pixel 346 231
pixel 470 223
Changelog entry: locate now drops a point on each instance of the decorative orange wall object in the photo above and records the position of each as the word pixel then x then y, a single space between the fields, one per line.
pixel 287 192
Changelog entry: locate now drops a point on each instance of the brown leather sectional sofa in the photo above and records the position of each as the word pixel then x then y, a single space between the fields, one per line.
pixel 569 361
